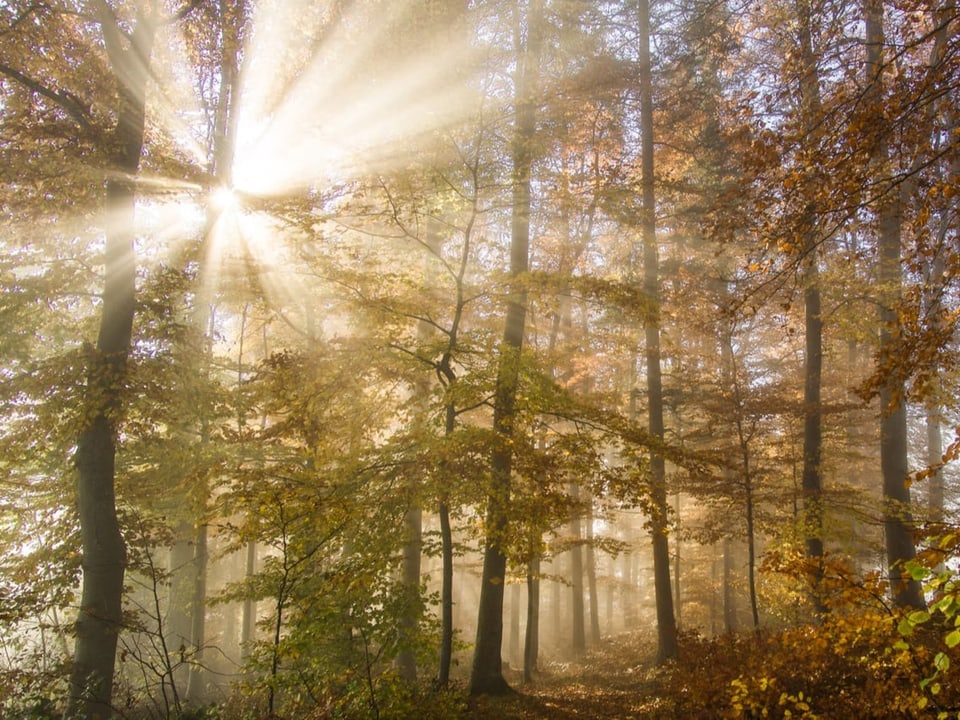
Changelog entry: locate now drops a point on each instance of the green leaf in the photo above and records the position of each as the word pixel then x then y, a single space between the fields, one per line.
pixel 905 627
pixel 917 571
pixel 952 639
pixel 941 662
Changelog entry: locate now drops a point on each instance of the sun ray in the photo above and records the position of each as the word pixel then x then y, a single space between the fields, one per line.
pixel 343 114
pixel 318 105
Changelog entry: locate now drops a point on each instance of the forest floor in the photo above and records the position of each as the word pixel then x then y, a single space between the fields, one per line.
pixel 616 680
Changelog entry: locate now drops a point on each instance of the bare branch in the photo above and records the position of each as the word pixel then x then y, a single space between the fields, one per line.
pixel 65 99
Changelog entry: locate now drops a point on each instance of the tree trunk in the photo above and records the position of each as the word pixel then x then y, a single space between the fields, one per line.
pixel 592 581
pixel 411 562
pixel 666 624
pixel 898 521
pixel 195 692
pixel 410 582
pixel 514 654
pixel 446 597
pixel 628 591
pixel 751 549
pixel 933 410
pixel 102 545
pixel 746 473
pixel 178 611
pixel 811 477
pixel 934 421
pixel 729 599
pixel 578 627
pixel 531 644
pixel 487 674
pixel 249 617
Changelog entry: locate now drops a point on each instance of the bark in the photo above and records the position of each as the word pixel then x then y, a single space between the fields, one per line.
pixel 751 549
pixel 578 625
pixel 446 597
pixel 746 473
pixel 249 616
pixel 592 581
pixel 811 477
pixel 531 643
pixel 410 581
pixel 195 692
pixel 729 600
pixel 448 378
pixel 102 545
pixel 487 673
pixel 677 595
pixel 180 591
pixel 934 424
pixel 514 653
pixel 666 623
pixel 898 520
pixel 411 562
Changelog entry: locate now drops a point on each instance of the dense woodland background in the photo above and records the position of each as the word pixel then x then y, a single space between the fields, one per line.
pixel 360 357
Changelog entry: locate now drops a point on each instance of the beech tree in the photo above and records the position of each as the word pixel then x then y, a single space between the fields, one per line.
pixel 486 674
pixel 103 551
pixel 666 622
pixel 893 412
pixel 395 346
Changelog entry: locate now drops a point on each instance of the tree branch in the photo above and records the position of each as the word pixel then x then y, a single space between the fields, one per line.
pixel 66 100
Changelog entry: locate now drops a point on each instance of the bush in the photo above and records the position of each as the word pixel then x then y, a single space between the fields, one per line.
pixel 860 660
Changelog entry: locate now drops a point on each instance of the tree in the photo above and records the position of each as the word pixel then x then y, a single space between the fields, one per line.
pixel 666 622
pixel 893 411
pixel 486 675
pixel 103 550
pixel 812 480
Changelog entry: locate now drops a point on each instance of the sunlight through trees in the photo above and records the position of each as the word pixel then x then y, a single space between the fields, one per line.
pixel 382 359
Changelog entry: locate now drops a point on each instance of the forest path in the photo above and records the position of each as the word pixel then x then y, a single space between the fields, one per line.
pixel 614 680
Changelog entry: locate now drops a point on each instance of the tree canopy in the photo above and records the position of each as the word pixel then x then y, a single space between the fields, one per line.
pixel 359 357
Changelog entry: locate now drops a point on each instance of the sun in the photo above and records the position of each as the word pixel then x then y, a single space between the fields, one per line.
pixel 224 199
pixel 313 111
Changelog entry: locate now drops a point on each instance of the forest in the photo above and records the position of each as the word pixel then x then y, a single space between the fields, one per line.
pixel 479 359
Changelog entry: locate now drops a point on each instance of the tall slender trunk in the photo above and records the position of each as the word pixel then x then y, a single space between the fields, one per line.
pixel 578 626
pixel 180 591
pixel 751 547
pixel 746 472
pixel 514 654
pixel 195 693
pixel 231 17
pixel 102 546
pixel 410 582
pixel 811 477
pixel 898 520
pixel 531 643
pixel 666 623
pixel 592 580
pixel 933 414
pixel 448 378
pixel 249 616
pixel 411 562
pixel 446 596
pixel 729 599
pixel 487 674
